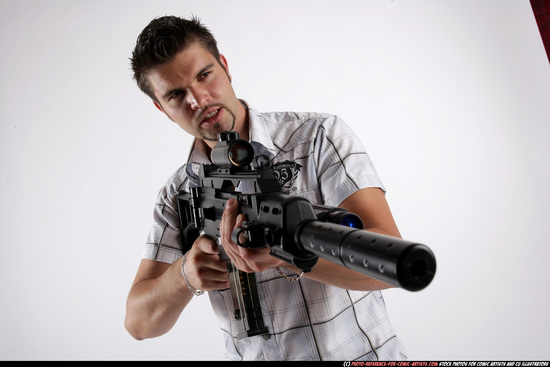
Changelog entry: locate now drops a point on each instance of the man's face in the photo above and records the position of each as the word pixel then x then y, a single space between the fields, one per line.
pixel 194 90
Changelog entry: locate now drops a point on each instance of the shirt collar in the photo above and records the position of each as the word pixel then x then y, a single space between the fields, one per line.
pixel 258 129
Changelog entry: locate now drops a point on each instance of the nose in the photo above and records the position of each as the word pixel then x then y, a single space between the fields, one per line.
pixel 197 98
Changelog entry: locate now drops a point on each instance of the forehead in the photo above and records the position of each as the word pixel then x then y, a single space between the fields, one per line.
pixel 180 71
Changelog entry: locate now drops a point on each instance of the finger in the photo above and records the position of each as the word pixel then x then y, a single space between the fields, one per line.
pixel 205 271
pixel 205 253
pixel 206 245
pixel 228 221
pixel 227 225
pixel 208 276
pixel 239 222
pixel 208 279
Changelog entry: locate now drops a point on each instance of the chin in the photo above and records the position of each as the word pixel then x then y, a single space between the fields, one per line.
pixel 212 133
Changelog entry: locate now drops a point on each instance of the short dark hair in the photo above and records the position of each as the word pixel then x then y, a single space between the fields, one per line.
pixel 161 40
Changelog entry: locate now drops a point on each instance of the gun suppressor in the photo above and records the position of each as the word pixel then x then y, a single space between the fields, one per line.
pixel 395 261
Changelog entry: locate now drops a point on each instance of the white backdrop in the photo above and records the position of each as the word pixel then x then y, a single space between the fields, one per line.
pixel 451 99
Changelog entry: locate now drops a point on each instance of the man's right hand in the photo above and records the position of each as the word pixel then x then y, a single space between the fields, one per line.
pixel 159 293
pixel 203 267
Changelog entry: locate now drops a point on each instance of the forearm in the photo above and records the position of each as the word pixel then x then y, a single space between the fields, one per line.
pixel 155 304
pixel 370 204
pixel 340 276
pixel 337 275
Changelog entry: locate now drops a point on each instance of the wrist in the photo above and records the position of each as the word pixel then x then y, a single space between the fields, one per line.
pixel 289 272
pixel 193 290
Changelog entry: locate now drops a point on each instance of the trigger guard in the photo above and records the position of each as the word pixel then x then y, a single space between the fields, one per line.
pixel 237 233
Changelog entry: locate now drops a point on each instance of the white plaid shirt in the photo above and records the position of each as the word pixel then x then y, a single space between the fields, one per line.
pixel 307 320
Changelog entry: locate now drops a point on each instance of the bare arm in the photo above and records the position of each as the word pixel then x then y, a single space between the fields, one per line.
pixel 156 299
pixel 159 293
pixel 370 204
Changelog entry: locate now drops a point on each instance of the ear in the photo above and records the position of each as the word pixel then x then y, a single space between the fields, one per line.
pixel 157 105
pixel 223 62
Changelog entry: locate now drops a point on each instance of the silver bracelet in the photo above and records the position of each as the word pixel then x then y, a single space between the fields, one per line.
pixel 196 292
pixel 291 278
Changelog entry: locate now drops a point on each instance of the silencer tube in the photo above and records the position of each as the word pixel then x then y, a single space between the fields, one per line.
pixel 390 259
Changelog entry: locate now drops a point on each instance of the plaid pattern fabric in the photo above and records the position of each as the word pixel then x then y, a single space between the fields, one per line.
pixel 325 162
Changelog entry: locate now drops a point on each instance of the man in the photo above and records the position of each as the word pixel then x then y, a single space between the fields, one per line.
pixel 329 313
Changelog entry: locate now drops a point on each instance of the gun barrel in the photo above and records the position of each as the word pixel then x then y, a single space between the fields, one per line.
pixel 393 260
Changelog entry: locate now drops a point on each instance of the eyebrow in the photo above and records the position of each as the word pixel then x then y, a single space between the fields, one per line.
pixel 166 95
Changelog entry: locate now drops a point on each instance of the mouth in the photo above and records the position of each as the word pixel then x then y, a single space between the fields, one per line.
pixel 211 117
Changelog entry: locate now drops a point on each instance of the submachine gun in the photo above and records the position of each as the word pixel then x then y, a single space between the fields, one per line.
pixel 295 230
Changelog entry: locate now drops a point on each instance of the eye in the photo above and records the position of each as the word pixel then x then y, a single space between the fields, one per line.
pixel 204 75
pixel 175 94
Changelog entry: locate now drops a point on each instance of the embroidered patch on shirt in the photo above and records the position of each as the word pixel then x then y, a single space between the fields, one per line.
pixel 287 173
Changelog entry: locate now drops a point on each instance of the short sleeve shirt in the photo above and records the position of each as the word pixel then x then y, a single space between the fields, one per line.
pixel 317 157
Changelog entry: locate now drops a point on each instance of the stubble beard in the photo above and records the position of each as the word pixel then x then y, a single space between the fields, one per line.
pixel 218 128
